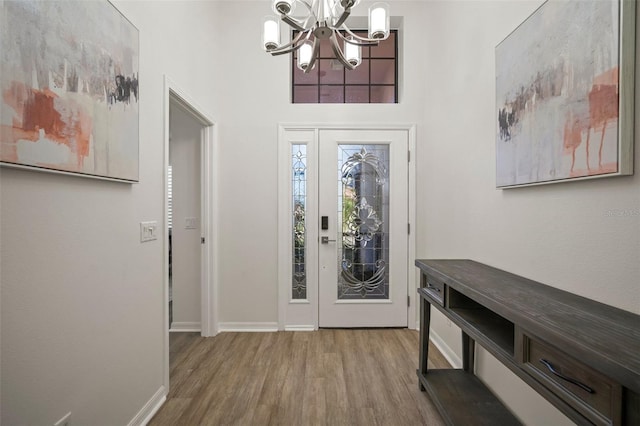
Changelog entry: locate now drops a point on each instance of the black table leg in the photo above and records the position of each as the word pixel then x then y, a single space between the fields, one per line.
pixel 425 322
pixel 468 353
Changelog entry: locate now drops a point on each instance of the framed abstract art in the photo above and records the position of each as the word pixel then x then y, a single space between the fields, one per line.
pixel 565 94
pixel 69 88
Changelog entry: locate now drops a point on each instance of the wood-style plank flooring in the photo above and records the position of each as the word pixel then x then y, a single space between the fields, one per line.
pixel 326 377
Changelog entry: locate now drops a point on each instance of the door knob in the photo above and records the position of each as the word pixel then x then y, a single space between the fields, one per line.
pixel 326 240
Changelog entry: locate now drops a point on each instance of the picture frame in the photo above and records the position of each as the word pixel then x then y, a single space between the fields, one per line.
pixel 565 94
pixel 69 89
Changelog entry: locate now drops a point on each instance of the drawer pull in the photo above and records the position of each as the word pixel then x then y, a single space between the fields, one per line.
pixel 565 378
pixel 430 287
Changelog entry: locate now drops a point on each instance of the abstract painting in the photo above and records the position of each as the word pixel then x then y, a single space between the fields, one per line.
pixel 564 94
pixel 69 88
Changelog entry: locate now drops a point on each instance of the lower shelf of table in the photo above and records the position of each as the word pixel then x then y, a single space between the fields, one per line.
pixel 462 399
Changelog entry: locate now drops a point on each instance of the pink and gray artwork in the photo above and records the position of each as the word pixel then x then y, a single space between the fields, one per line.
pixel 557 94
pixel 69 88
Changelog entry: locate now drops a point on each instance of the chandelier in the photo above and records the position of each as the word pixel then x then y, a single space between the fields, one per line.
pixel 316 20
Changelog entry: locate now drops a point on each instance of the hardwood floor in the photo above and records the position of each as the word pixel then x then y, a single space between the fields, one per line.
pixel 326 377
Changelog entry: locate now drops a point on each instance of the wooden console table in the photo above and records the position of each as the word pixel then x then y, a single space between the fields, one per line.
pixel 581 355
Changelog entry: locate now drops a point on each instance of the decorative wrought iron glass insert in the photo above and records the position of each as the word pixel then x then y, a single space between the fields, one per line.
pixel 363 211
pixel 374 81
pixel 299 230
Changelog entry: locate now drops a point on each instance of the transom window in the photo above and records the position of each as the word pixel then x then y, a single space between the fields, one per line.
pixel 374 81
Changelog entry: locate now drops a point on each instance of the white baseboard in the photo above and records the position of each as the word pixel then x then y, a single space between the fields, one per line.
pixel 299 328
pixel 248 326
pixel 445 350
pixel 185 326
pixel 150 408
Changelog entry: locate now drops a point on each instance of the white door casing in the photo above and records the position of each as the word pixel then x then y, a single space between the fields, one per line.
pixel 173 94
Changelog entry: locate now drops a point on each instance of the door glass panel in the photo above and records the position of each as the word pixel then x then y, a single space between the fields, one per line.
pixel 360 75
pixel 383 71
pixel 331 72
pixel 331 94
pixel 363 211
pixel 357 94
pixel 382 94
pixel 299 234
pixel 305 94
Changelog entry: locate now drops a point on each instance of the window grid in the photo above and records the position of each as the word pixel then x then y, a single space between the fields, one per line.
pixel 375 91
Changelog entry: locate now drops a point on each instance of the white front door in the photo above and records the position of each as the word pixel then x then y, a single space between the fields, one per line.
pixel 363 236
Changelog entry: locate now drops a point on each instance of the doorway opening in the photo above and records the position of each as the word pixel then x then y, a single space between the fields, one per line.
pixel 190 219
pixel 184 196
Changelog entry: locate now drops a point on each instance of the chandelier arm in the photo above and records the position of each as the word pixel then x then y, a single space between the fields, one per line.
pixel 366 41
pixel 293 23
pixel 308 5
pixel 293 45
pixel 285 51
pixel 356 43
pixel 338 52
pixel 314 55
pixel 343 18
pixel 313 8
pixel 289 20
pixel 305 3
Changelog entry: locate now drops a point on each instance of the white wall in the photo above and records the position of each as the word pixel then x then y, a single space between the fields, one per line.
pixel 184 157
pixel 82 300
pixel 88 318
pixel 558 234
pixel 253 100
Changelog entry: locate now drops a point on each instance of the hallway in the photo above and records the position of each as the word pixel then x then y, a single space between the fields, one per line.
pixel 331 376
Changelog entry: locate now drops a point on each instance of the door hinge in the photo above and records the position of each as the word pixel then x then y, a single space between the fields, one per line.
pixel 202 240
pixel 408 156
pixel 408 228
pixel 408 300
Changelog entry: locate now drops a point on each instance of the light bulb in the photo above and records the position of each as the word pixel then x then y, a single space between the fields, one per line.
pixel 271 33
pixel 379 21
pixel 353 53
pixel 304 55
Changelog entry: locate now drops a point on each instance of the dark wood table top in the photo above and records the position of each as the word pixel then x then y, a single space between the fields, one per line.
pixel 605 337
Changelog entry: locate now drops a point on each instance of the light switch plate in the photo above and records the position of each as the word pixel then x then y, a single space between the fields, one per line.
pixel 190 223
pixel 148 231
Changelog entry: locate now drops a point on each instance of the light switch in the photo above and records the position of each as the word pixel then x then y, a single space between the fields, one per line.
pixel 148 231
pixel 190 223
